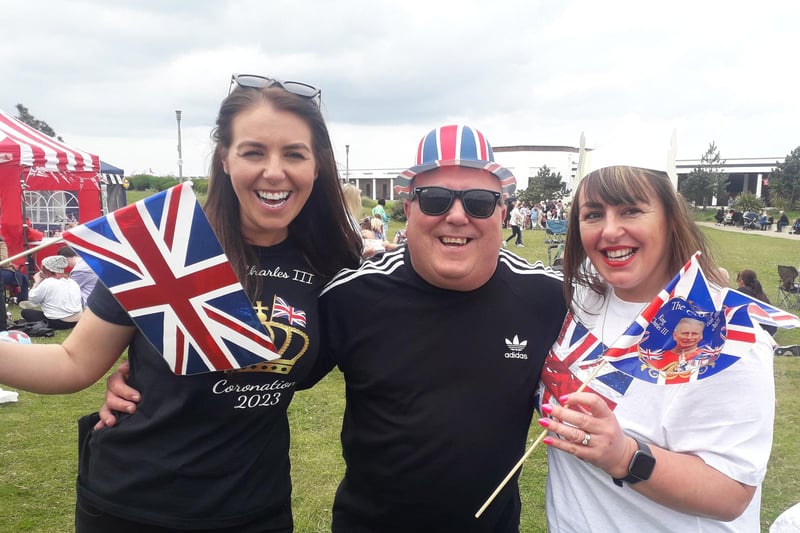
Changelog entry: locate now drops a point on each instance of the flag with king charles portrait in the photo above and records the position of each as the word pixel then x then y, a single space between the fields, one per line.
pixel 687 333
pixel 162 261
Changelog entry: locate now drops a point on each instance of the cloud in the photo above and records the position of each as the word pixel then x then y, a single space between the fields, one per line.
pixel 110 75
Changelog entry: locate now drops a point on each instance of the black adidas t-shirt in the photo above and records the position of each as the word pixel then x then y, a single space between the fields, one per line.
pixel 208 450
pixel 439 404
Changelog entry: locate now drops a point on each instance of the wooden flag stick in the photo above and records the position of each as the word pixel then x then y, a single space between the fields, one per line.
pixel 30 251
pixel 527 454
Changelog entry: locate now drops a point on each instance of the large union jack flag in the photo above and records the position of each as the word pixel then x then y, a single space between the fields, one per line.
pixel 648 350
pixel 160 258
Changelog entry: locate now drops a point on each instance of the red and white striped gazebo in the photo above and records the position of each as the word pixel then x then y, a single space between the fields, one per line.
pixel 42 181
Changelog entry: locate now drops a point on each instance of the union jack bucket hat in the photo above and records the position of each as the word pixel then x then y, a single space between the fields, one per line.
pixel 454 145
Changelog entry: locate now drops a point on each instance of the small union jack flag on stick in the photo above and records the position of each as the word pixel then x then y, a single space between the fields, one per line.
pixel 161 260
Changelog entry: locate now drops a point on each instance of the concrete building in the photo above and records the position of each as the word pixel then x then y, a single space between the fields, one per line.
pixel 746 174
pixel 524 161
pixel 375 183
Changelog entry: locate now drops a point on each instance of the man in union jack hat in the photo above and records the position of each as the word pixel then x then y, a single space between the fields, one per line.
pixel 436 418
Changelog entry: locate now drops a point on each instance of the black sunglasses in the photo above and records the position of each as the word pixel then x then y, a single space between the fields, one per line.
pixel 435 201
pixel 254 81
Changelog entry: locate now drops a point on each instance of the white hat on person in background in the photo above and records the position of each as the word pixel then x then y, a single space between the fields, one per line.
pixel 55 264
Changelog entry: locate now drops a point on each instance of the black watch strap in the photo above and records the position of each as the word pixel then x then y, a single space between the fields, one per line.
pixel 641 465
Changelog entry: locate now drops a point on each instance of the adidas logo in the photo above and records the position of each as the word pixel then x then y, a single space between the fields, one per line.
pixel 516 346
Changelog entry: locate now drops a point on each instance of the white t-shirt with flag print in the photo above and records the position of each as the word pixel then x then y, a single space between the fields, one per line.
pixel 726 420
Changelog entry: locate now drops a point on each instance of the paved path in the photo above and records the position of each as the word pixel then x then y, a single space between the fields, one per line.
pixel 767 233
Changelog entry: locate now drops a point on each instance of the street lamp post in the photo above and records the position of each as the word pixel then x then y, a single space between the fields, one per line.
pixel 347 163
pixel 180 155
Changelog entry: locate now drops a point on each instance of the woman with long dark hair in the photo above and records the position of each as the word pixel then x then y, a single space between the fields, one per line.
pixel 211 451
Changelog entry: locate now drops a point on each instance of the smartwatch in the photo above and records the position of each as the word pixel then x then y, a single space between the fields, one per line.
pixel 641 466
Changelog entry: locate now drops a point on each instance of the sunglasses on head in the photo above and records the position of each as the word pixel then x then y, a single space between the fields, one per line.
pixel 254 81
pixel 435 201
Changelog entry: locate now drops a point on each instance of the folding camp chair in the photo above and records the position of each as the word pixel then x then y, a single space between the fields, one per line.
pixel 555 256
pixel 788 288
pixel 555 232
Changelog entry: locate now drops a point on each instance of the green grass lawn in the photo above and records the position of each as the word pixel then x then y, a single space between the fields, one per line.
pixel 38 434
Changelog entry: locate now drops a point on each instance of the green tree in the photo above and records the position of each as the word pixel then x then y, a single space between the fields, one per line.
pixel 543 186
pixel 139 182
pixel 397 211
pixel 748 201
pixel 200 186
pixel 784 181
pixel 706 180
pixel 23 115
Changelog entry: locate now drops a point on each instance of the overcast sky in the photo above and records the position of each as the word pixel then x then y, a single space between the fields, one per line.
pixel 109 75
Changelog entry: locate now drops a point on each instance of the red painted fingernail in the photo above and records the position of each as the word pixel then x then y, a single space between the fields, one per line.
pixel 548 440
pixel 563 399
pixel 547 408
pixel 544 422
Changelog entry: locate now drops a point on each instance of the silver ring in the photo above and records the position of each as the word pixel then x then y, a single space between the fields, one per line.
pixel 586 439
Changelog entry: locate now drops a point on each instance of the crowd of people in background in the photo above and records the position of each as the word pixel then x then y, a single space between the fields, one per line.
pixel 536 214
pixel 749 219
